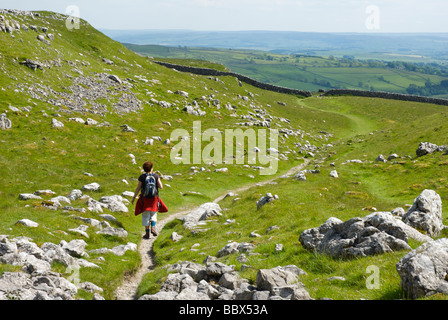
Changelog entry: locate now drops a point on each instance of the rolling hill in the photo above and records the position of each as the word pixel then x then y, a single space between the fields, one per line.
pixel 311 72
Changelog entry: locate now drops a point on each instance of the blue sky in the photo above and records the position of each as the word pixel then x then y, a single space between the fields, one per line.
pixel 287 15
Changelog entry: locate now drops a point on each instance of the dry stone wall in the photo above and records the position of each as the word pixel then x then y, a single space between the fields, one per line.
pixel 248 80
pixel 386 95
pixel 332 92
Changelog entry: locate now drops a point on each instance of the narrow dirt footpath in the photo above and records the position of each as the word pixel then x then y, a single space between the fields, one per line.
pixel 128 290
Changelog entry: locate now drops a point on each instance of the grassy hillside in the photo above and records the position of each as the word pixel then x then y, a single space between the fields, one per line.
pixel 74 82
pixel 368 127
pixel 70 84
pixel 308 72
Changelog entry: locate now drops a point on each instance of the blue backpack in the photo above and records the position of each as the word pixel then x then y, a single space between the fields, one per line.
pixel 150 186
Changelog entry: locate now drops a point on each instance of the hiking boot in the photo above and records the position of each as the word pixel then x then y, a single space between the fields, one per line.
pixel 147 236
pixel 154 232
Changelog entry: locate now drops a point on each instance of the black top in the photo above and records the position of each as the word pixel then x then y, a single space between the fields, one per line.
pixel 142 178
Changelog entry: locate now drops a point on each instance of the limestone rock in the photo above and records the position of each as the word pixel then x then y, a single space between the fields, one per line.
pixel 266 199
pixel 56 123
pixel 111 231
pixel 115 203
pixel 75 194
pixel 334 174
pixel 28 223
pixel 425 148
pixel 29 196
pixel 75 248
pixel 380 158
pixel 91 187
pixel 374 234
pixel 5 123
pixel 115 78
pixel 126 128
pixel 424 271
pixel 122 249
pixel 203 212
pixel 282 282
pixel 426 213
pixel 175 236
pixel 235 247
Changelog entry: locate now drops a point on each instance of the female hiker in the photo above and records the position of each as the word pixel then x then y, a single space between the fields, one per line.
pixel 149 202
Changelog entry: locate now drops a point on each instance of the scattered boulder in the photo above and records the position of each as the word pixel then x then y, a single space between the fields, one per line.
pixel 235 247
pixel 107 61
pixel 164 104
pixel 122 249
pixel 108 217
pixel 94 222
pixel 75 194
pixel 115 78
pixel 182 93
pixel 425 148
pixel 426 213
pixel 47 285
pixel 126 128
pixel 75 248
pixel 80 230
pixel 283 283
pixel 55 253
pixel 118 250
pixel 393 156
pixel 266 199
pixel 300 176
pixel 29 196
pixel 115 203
pixel 91 122
pixel 334 174
pixel 32 64
pixel 217 281
pixel 116 232
pixel 376 233
pixel 175 236
pixel 5 123
pixel 424 271
pixel 91 187
pixel 267 279
pixel 94 205
pixel 380 158
pixel 28 223
pixel 203 212
pixel 194 111
pixel 44 192
pixel 217 269
pixel 37 281
pixel 56 123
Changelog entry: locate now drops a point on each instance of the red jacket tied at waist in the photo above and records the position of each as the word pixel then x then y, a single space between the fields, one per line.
pixel 150 204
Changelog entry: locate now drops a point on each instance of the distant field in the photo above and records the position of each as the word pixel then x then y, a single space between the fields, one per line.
pixel 307 72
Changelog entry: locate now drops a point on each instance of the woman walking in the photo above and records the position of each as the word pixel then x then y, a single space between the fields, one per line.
pixel 149 202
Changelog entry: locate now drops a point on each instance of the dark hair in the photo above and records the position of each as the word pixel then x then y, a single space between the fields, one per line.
pixel 147 166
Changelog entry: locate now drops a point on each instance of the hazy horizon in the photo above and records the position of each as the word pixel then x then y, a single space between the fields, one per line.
pixel 291 31
pixel 321 16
